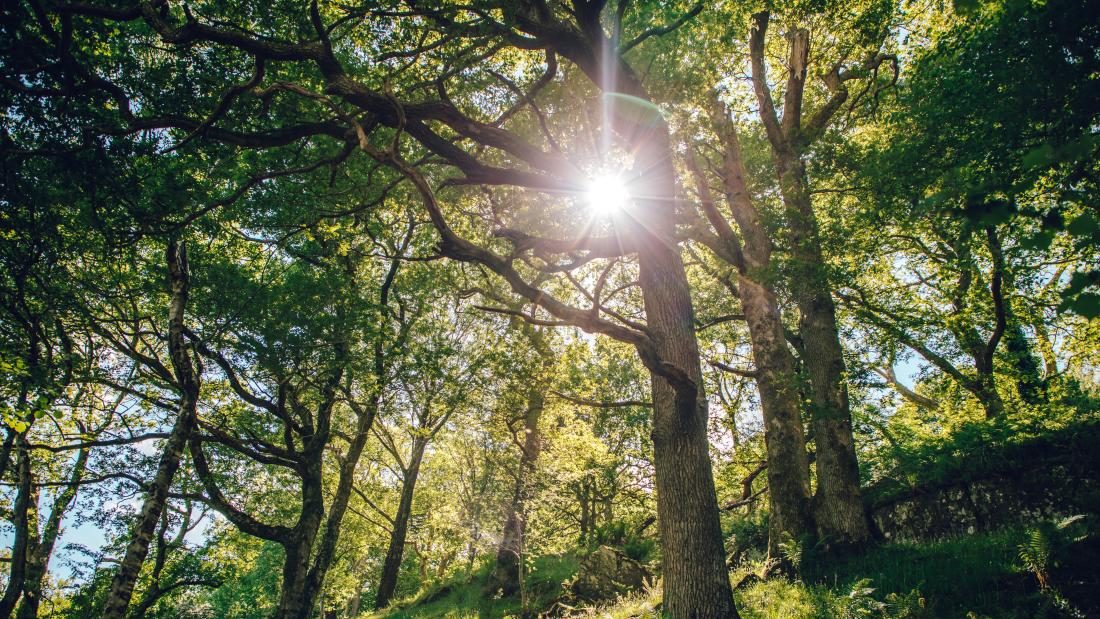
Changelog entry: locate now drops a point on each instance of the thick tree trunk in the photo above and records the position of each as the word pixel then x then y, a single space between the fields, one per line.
pixel 391 567
pixel 293 602
pixel 776 376
pixel 294 599
pixel 122 586
pixel 696 582
pixel 505 577
pixel 838 503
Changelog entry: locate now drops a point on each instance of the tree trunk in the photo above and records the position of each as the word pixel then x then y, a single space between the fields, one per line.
pixel 154 592
pixel 505 577
pixel 295 601
pixel 391 567
pixel 788 466
pixel 984 387
pixel 1046 348
pixel 39 556
pixel 23 519
pixel 838 503
pixel 327 551
pixel 696 583
pixel 122 586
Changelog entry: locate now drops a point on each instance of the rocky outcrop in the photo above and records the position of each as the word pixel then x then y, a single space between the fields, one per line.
pixel 605 574
pixel 1018 497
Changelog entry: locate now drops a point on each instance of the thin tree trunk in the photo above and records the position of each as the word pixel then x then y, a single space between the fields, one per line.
pixel 1046 348
pixel 505 577
pixel 122 586
pixel 39 556
pixel 23 519
pixel 391 567
pixel 365 415
pixel 1042 334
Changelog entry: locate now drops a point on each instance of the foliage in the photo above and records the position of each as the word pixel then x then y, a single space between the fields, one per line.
pixel 1045 544
pixel 404 307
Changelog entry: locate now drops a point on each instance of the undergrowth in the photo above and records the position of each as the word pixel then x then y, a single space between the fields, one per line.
pixel 975 577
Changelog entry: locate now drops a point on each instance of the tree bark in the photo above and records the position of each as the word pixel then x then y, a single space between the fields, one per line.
pixel 696 583
pixel 294 601
pixel 391 567
pixel 505 576
pixel 788 467
pixel 122 585
pixel 838 505
pixel 24 518
pixel 41 550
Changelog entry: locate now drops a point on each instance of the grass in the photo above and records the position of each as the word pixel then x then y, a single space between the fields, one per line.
pixel 464 597
pixel 974 577
pixel 974 574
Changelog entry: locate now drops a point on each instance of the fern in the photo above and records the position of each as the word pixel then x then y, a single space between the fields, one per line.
pixel 1045 543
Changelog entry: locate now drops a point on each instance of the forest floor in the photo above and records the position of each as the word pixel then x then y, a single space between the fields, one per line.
pixel 976 576
pixel 984 575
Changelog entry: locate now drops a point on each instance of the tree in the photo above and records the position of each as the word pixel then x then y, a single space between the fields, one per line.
pixel 506 574
pixel 440 381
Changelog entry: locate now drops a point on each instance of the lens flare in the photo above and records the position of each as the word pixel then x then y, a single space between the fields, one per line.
pixel 607 195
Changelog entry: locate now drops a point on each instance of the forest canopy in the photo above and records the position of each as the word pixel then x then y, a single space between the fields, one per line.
pixel 528 308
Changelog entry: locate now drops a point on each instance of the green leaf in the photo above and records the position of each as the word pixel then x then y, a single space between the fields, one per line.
pixel 1086 304
pixel 1040 241
pixel 1086 225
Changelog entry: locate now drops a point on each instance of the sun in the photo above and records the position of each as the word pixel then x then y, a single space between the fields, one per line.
pixel 607 194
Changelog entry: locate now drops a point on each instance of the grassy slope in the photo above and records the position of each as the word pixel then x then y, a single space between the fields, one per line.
pixel 976 576
pixel 463 597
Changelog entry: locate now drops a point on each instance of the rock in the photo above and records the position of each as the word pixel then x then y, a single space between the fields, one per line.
pixel 605 574
pixel 990 502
